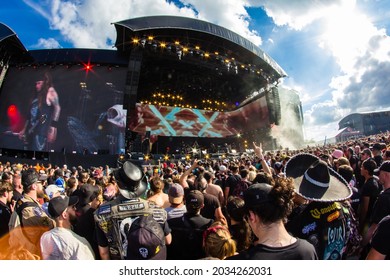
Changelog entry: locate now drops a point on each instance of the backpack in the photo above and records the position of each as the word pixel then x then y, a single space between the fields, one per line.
pixel 240 188
pixel 16 216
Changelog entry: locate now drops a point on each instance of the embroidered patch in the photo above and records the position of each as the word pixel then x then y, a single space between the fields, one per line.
pixel 333 216
pixel 308 228
pixel 130 207
pixel 104 209
pixel 143 252
pixel 130 200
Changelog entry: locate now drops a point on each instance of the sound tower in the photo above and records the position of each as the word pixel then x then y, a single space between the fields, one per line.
pixel 273 103
pixel 130 95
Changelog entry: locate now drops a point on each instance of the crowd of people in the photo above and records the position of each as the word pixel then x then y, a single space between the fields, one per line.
pixel 328 202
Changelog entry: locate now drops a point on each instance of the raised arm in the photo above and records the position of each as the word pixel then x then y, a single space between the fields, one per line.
pixel 259 153
pixel 184 176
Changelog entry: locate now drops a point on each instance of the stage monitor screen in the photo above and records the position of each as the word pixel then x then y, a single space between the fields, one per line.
pixel 176 121
pixel 63 109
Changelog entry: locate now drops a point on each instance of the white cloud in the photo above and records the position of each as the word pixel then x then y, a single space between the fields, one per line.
pixel 49 43
pixel 86 24
pixel 360 49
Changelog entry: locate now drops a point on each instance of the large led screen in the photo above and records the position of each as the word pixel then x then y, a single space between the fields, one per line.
pixel 175 121
pixel 63 109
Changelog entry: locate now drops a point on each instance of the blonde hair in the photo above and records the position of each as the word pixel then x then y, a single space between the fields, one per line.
pixel 217 241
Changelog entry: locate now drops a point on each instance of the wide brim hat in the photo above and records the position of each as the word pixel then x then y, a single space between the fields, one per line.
pixel 315 180
pixel 132 182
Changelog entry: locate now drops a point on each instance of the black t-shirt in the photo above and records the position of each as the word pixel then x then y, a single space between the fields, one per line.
pixel 231 182
pixel 211 203
pixel 187 237
pixel 372 189
pixel 323 224
pixel 300 250
pixel 380 240
pixel 381 207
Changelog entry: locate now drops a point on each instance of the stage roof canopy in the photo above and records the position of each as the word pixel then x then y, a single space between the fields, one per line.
pixel 198 36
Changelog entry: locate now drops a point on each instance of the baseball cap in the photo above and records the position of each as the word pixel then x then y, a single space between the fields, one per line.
pixel 176 193
pixel 194 200
pixel 29 177
pixel 58 204
pixel 385 166
pixel 257 194
pixel 146 240
pixel 87 193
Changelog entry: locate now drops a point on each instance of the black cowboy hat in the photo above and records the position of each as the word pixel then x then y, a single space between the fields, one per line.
pixel 314 180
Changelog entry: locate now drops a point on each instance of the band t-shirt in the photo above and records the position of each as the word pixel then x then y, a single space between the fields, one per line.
pixel 323 224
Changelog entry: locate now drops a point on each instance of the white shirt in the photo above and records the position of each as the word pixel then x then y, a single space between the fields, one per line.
pixel 63 244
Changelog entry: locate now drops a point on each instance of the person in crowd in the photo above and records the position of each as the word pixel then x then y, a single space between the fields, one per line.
pixel 176 199
pixel 156 193
pixel 321 216
pixel 381 207
pixel 51 191
pixel 380 243
pixel 386 155
pixel 18 187
pixel 110 190
pixel 6 207
pixel 211 208
pixel 267 207
pixel 369 193
pixel 238 225
pixel 218 242
pixel 213 189
pixel 115 215
pixel 187 231
pixel 84 225
pixel 61 243
pixel 71 185
pixel 377 153
pixel 30 220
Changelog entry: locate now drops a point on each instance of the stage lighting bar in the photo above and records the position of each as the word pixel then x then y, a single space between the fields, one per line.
pixel 231 63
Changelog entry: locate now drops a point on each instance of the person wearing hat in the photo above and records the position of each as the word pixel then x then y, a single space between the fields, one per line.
pixel 84 225
pixel 33 220
pixel 61 243
pixel 114 216
pixel 382 205
pixel 321 220
pixel 176 200
pixel 187 231
pixel 266 208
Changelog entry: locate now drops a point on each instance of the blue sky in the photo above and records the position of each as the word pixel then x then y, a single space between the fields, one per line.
pixel 336 52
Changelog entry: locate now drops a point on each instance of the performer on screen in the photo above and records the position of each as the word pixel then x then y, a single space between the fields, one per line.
pixel 40 128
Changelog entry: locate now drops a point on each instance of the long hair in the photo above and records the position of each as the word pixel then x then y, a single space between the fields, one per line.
pixel 47 83
pixel 217 242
